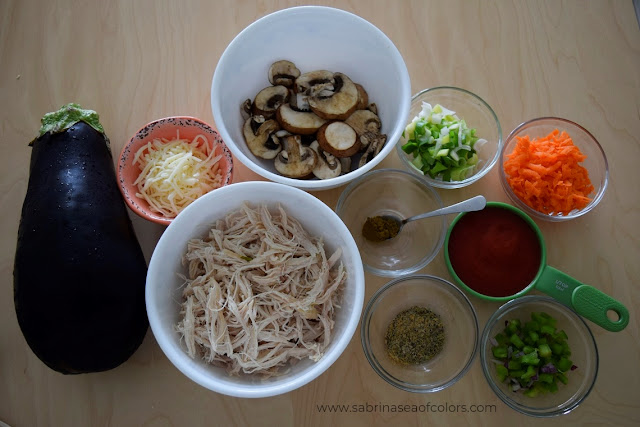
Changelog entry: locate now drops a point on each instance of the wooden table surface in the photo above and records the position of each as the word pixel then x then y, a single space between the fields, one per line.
pixel 135 61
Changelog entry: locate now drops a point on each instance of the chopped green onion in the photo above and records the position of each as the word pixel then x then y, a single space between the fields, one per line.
pixel 438 133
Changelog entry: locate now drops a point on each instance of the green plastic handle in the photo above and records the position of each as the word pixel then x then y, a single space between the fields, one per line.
pixel 585 300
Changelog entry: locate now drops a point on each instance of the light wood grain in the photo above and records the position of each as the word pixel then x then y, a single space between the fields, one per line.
pixel 135 61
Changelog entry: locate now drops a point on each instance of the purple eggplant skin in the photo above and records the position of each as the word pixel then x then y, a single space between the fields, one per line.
pixel 79 272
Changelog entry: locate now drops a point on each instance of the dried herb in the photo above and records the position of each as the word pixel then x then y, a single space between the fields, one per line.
pixel 415 336
pixel 379 228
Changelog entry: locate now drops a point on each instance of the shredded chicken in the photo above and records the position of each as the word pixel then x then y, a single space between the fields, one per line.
pixel 260 293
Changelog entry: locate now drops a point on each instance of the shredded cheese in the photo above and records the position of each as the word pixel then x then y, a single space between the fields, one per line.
pixel 174 173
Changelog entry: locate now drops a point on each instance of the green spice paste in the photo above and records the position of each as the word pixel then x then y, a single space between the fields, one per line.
pixel 414 336
pixel 379 228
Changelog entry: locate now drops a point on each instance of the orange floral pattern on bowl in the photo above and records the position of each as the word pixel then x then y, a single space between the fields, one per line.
pixel 189 128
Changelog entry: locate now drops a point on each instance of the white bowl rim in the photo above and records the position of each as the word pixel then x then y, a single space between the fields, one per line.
pixel 308 184
pixel 178 358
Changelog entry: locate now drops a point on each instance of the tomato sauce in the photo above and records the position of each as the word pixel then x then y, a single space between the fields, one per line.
pixel 494 252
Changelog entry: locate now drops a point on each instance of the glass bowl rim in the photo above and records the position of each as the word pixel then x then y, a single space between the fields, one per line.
pixel 485 363
pixel 475 177
pixel 529 210
pixel 366 321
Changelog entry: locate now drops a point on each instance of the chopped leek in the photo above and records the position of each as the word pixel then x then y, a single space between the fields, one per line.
pixel 441 144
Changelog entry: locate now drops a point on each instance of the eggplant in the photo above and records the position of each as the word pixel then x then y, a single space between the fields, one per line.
pixel 79 272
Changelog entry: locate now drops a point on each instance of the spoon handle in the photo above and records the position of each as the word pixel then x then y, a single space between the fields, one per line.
pixel 473 204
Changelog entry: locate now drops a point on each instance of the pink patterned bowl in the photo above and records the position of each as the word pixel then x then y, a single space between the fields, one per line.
pixel 166 128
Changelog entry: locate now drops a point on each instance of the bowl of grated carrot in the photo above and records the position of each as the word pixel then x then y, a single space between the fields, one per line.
pixel 553 169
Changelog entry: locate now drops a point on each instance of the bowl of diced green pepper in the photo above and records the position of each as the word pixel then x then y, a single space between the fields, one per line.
pixel 538 356
pixel 454 137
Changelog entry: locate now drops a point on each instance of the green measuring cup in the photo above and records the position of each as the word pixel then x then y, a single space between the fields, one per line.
pixel 585 300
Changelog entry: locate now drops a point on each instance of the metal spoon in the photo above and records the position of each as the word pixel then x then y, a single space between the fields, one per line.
pixel 473 204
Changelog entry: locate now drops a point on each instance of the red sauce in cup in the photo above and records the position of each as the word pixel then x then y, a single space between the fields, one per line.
pixel 494 252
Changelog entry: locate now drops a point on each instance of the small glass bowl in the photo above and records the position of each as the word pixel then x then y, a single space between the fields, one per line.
pixel 476 113
pixel 399 193
pixel 460 325
pixel 584 354
pixel 595 163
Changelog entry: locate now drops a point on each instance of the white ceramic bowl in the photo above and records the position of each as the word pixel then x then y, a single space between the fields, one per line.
pixel 163 294
pixel 312 37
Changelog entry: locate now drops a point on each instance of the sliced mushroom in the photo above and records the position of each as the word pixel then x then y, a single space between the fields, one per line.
pixel 339 139
pixel 277 137
pixel 366 124
pixel 319 118
pixel 295 161
pixel 363 97
pixel 328 166
pixel 366 138
pixel 258 138
pixel 298 122
pixel 283 73
pixel 345 163
pixel 300 102
pixel 314 82
pixel 245 109
pixel 269 99
pixel 363 121
pixel 373 148
pixel 282 133
pixel 341 104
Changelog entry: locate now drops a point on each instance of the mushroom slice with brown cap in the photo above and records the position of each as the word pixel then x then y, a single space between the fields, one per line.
pixel 345 163
pixel 366 124
pixel 363 121
pixel 283 73
pixel 328 166
pixel 245 109
pixel 363 97
pixel 314 82
pixel 339 139
pixel 300 102
pixel 373 147
pixel 340 104
pixel 295 161
pixel 258 138
pixel 269 99
pixel 298 122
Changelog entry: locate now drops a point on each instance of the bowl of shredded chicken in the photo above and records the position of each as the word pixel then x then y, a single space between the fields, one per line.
pixel 170 163
pixel 255 290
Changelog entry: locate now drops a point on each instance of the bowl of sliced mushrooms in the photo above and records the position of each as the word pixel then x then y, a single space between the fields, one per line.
pixel 311 97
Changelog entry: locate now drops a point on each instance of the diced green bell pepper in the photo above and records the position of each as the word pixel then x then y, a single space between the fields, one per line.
pixel 502 372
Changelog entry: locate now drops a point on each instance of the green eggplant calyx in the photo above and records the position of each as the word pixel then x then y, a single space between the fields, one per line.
pixel 67 116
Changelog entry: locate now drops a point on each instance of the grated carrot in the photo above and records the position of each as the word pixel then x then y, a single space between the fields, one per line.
pixel 545 173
